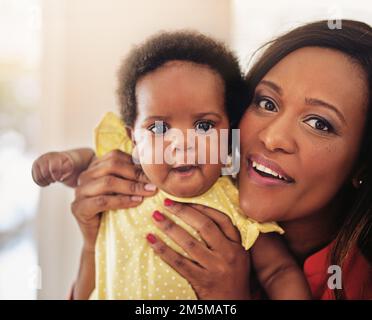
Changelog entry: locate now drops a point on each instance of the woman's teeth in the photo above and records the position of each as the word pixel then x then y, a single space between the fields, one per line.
pixel 261 168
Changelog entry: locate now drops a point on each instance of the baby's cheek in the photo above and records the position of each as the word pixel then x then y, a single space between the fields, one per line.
pixel 157 173
pixel 217 147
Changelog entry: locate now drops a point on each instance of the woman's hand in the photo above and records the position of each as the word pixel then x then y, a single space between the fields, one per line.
pixel 111 182
pixel 218 268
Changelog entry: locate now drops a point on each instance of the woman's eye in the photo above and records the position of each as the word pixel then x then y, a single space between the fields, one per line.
pixel 266 104
pixel 159 127
pixel 204 126
pixel 319 124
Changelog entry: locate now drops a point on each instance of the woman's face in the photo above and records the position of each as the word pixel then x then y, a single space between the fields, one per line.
pixel 301 135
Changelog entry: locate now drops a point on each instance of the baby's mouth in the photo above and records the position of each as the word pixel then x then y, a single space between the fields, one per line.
pixel 185 170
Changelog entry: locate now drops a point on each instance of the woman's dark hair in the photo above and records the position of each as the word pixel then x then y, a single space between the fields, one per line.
pixel 354 39
pixel 186 46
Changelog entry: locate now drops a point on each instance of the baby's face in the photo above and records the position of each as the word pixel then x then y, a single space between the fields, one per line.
pixel 178 104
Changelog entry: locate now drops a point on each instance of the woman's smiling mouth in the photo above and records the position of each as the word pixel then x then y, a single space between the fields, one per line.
pixel 265 172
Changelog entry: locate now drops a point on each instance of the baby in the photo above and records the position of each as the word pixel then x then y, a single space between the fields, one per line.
pixel 172 85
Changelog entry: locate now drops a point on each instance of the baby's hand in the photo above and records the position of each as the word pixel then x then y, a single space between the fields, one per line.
pixel 54 167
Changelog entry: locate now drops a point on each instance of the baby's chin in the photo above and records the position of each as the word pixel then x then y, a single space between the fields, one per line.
pixel 186 187
pixel 184 191
pixel 184 183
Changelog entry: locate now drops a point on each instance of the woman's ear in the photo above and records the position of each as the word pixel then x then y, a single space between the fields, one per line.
pixel 358 177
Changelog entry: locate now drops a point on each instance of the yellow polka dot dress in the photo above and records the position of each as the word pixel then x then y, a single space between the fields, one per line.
pixel 126 265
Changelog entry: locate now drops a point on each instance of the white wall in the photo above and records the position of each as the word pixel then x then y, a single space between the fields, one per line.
pixel 256 22
pixel 83 43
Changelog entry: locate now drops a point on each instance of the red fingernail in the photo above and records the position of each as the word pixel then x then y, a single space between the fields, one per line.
pixel 168 202
pixel 158 216
pixel 151 238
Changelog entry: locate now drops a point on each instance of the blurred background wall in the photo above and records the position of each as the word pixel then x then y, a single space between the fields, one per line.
pixel 84 42
pixel 58 62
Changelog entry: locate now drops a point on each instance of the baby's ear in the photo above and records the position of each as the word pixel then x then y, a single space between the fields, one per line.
pixel 135 155
pixel 130 133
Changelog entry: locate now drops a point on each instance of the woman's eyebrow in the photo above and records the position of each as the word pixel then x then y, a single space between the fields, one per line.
pixel 318 102
pixel 308 101
pixel 273 86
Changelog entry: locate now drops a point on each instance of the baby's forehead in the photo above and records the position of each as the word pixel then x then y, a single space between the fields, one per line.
pixel 189 115
pixel 181 68
pixel 181 63
pixel 181 87
pixel 186 64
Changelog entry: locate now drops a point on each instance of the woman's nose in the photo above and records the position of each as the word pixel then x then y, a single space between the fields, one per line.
pixel 278 135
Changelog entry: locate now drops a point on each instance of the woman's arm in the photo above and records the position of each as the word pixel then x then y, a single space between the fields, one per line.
pixel 219 267
pixel 85 282
pixel 278 273
pixel 111 182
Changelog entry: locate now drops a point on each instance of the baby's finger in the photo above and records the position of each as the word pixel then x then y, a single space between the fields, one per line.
pixel 55 168
pixel 68 167
pixel 46 174
pixel 37 175
pixel 44 169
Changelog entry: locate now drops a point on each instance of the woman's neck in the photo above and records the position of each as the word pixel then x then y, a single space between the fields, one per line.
pixel 308 235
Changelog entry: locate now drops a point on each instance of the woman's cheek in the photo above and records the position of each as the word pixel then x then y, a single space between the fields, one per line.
pixel 243 128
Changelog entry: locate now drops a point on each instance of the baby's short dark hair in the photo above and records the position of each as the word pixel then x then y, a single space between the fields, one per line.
pixel 186 46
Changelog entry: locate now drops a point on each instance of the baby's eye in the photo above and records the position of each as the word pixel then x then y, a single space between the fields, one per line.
pixel 266 104
pixel 204 126
pixel 159 127
pixel 319 124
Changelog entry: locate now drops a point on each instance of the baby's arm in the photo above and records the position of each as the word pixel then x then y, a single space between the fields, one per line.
pixel 63 166
pixel 277 271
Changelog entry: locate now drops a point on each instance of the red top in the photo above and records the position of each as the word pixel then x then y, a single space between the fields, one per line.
pixel 356 275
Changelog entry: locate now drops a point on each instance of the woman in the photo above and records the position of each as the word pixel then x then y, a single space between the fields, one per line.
pixel 310 121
